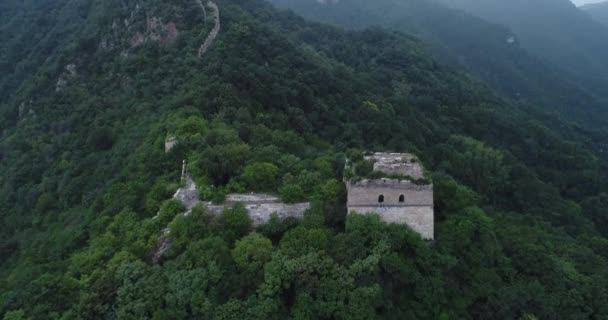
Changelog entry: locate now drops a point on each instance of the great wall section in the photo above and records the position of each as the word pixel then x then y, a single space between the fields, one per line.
pixel 395 201
pixel 261 208
pixel 216 26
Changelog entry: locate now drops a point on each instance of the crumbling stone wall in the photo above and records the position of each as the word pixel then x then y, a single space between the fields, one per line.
pixel 260 211
pixel 260 207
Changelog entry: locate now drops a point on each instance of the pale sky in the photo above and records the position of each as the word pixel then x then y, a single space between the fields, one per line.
pixel 579 2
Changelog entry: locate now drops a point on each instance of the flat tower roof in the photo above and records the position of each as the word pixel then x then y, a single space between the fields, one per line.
pixel 404 164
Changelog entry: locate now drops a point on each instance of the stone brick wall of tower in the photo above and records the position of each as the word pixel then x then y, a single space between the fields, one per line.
pixel 368 195
pixel 419 219
pixel 416 210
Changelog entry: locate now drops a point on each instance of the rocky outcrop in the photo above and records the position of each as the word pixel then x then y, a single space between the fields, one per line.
pixel 216 27
pixel 124 36
pixel 156 31
pixel 170 143
pixel 69 73
pixel 129 33
pixel 162 246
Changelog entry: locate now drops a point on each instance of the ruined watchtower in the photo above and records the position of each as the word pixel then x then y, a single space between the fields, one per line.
pixel 396 190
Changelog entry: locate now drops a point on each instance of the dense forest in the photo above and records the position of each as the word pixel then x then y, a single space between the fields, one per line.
pixel 555 30
pixel 91 90
pixel 488 50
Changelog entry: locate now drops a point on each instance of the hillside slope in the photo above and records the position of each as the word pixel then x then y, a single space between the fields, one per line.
pixel 554 30
pixel 490 52
pixel 274 105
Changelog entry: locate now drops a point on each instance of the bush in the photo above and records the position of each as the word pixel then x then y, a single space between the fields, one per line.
pixel 291 193
pixel 252 252
pixel 261 176
pixel 235 223
pixel 363 168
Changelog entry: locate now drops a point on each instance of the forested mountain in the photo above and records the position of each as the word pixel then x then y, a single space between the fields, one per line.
pixel 489 51
pixel 554 30
pixel 91 90
pixel 598 11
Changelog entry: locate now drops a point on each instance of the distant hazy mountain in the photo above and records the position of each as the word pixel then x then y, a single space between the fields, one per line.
pixel 552 29
pixel 489 51
pixel 598 11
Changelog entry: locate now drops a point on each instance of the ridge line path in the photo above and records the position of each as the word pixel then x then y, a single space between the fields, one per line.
pixel 216 27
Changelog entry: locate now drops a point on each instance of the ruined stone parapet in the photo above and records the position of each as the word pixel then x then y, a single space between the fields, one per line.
pixel 261 207
pixel 389 183
pixel 403 164
pixel 379 193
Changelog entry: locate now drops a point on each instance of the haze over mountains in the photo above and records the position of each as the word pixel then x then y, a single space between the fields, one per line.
pixel 555 30
pixel 486 47
pixel 598 11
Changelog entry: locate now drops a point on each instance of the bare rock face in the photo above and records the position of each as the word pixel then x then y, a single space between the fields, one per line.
pixel 68 74
pixel 130 33
pixel 22 110
pixel 162 246
pixel 137 40
pixel 170 143
pixel 26 110
pixel 156 31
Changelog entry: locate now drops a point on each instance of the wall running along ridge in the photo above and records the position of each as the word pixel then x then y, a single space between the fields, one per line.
pixel 260 207
pixel 216 27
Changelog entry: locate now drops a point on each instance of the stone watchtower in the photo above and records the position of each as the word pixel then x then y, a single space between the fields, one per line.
pixel 402 197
